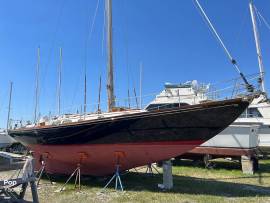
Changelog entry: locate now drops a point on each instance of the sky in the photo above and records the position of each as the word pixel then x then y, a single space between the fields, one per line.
pixel 169 38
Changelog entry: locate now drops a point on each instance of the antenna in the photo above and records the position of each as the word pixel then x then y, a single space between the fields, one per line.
pixel 9 104
pixel 37 85
pixel 258 46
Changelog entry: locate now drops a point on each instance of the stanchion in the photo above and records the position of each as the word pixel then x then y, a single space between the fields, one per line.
pixel 116 176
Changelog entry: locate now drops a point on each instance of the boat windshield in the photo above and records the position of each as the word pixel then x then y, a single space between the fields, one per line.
pixel 251 112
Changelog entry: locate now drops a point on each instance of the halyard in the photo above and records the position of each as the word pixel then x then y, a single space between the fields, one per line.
pixel 224 183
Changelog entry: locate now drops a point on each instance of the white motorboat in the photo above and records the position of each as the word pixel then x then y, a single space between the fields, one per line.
pixel 249 131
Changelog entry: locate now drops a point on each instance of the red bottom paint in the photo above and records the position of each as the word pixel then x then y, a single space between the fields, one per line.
pixel 101 159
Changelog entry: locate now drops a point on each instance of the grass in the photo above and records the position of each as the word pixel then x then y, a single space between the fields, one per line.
pixel 224 183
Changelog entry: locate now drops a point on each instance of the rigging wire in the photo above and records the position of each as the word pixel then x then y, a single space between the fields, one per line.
pixel 242 26
pixel 90 31
pixel 127 55
pixel 58 22
pixel 263 19
pixel 258 17
pixel 100 69
pixel 88 37
pixel 103 30
pixel 232 60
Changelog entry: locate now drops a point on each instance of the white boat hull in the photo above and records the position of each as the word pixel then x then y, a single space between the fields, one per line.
pixel 264 139
pixel 241 136
pixel 235 136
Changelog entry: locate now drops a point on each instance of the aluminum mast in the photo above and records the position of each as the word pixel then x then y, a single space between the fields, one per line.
pixel 141 68
pixel 37 86
pixel 110 86
pixel 258 46
pixel 59 82
pixel 9 104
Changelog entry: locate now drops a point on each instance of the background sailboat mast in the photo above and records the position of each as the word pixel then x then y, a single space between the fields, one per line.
pixel 9 104
pixel 85 93
pixel 59 82
pixel 258 46
pixel 37 85
pixel 141 68
pixel 110 84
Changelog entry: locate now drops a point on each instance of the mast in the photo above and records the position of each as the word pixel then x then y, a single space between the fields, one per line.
pixel 141 67
pixel 110 84
pixel 128 99
pixel 258 46
pixel 9 104
pixel 85 92
pixel 59 82
pixel 99 93
pixel 37 85
pixel 134 90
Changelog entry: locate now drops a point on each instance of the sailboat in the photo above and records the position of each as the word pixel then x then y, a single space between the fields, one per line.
pixel 127 138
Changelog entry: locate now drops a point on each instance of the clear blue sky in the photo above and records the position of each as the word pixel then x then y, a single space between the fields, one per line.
pixel 169 37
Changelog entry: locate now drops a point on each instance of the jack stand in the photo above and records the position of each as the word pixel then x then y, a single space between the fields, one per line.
pixel 42 171
pixel 207 161
pixel 116 176
pixel 77 171
pixel 149 169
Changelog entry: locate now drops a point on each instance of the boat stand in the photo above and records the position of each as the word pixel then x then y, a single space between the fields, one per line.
pixel 7 192
pixel 149 169
pixel 42 171
pixel 167 176
pixel 116 176
pixel 77 172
